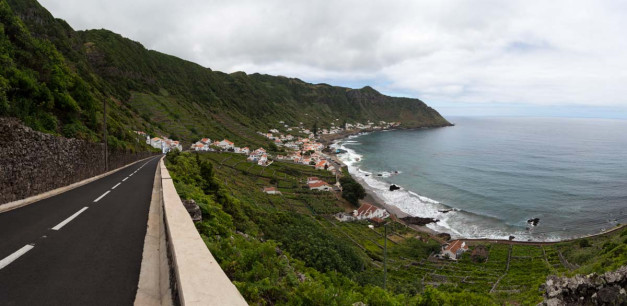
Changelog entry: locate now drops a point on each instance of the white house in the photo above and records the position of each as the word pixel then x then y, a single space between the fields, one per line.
pixel 225 144
pixel 368 211
pixel 271 190
pixel 206 141
pixel 454 249
pixel 313 179
pixel 263 160
pixel 155 142
pixel 320 165
pixel 320 186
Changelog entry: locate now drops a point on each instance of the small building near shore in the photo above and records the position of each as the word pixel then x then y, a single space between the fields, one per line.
pixel 271 190
pixel 319 185
pixel 369 211
pixel 454 249
pixel 365 212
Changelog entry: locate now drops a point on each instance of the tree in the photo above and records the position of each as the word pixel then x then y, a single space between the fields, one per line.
pixel 351 190
pixel 272 147
pixel 315 129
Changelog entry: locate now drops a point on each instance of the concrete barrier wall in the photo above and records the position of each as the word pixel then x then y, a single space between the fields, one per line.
pixel 32 162
pixel 199 278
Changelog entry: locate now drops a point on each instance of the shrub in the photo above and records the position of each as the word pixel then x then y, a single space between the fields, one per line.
pixel 584 243
pixel 351 190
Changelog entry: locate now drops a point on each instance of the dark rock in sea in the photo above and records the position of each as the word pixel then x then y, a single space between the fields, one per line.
pixel 445 236
pixel 533 221
pixel 394 187
pixel 379 174
pixel 418 220
pixel 444 210
pixel 367 174
pixel 511 238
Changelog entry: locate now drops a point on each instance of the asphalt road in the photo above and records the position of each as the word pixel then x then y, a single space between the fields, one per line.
pixel 79 247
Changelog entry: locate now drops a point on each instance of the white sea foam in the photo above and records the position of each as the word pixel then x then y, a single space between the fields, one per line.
pixel 458 223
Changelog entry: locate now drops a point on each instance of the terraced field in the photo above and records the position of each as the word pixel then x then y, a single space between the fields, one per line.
pixel 510 273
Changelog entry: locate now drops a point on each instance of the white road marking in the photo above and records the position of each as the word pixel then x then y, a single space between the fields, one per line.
pixel 102 196
pixel 126 178
pixel 116 186
pixel 66 221
pixel 11 258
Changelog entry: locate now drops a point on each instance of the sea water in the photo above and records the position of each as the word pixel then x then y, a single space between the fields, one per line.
pixel 486 177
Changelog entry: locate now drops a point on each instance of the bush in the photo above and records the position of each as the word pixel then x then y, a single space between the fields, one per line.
pixel 584 243
pixel 351 190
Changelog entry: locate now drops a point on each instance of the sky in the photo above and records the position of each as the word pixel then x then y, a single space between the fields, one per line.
pixel 476 58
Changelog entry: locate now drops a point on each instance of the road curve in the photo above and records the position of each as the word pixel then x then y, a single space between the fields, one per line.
pixel 81 247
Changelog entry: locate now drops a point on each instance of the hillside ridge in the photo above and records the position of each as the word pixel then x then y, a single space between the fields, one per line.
pixel 164 95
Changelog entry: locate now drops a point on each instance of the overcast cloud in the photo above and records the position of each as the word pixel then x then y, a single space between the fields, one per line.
pixel 462 57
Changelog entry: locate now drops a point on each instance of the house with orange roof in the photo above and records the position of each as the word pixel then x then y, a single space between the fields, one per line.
pixel 226 144
pixel 198 147
pixel 205 140
pixel 313 179
pixel 454 249
pixel 369 211
pixel 319 185
pixel 321 165
pixel 271 190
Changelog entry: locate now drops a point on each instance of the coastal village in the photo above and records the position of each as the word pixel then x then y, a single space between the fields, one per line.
pixel 300 145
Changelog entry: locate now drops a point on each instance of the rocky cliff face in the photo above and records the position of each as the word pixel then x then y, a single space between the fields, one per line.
pixel 606 289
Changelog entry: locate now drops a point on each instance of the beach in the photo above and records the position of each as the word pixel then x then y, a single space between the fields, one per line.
pixel 374 199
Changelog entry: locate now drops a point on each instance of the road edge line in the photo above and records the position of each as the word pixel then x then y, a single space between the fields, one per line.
pixel 153 287
pixel 51 193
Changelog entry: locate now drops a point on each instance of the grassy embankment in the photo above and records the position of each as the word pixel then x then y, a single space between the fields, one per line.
pixel 288 249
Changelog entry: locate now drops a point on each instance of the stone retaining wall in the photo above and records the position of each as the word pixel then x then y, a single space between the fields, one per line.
pixel 32 162
pixel 606 289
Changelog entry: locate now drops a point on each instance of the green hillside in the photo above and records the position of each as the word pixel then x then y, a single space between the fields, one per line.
pixel 56 79
pixel 290 249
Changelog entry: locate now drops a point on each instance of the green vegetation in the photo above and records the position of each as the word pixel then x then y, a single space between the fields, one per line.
pixel 286 249
pixel 351 190
pixel 277 249
pixel 289 249
pixel 56 80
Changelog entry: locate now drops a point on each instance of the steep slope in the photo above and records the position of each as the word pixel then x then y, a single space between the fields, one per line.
pixel 163 94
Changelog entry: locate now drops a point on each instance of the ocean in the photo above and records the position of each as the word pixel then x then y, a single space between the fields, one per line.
pixel 494 174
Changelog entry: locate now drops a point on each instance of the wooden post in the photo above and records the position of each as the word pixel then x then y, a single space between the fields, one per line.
pixel 104 131
pixel 385 256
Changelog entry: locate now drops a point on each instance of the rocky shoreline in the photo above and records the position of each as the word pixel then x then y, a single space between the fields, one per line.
pixel 374 199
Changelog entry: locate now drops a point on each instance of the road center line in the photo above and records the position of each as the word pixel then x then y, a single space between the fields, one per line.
pixel 102 196
pixel 126 178
pixel 116 186
pixel 11 258
pixel 66 221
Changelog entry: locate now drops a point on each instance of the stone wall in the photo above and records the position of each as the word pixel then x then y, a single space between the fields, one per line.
pixel 593 289
pixel 32 162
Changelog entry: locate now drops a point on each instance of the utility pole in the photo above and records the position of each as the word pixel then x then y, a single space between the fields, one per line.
pixel 104 132
pixel 385 256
